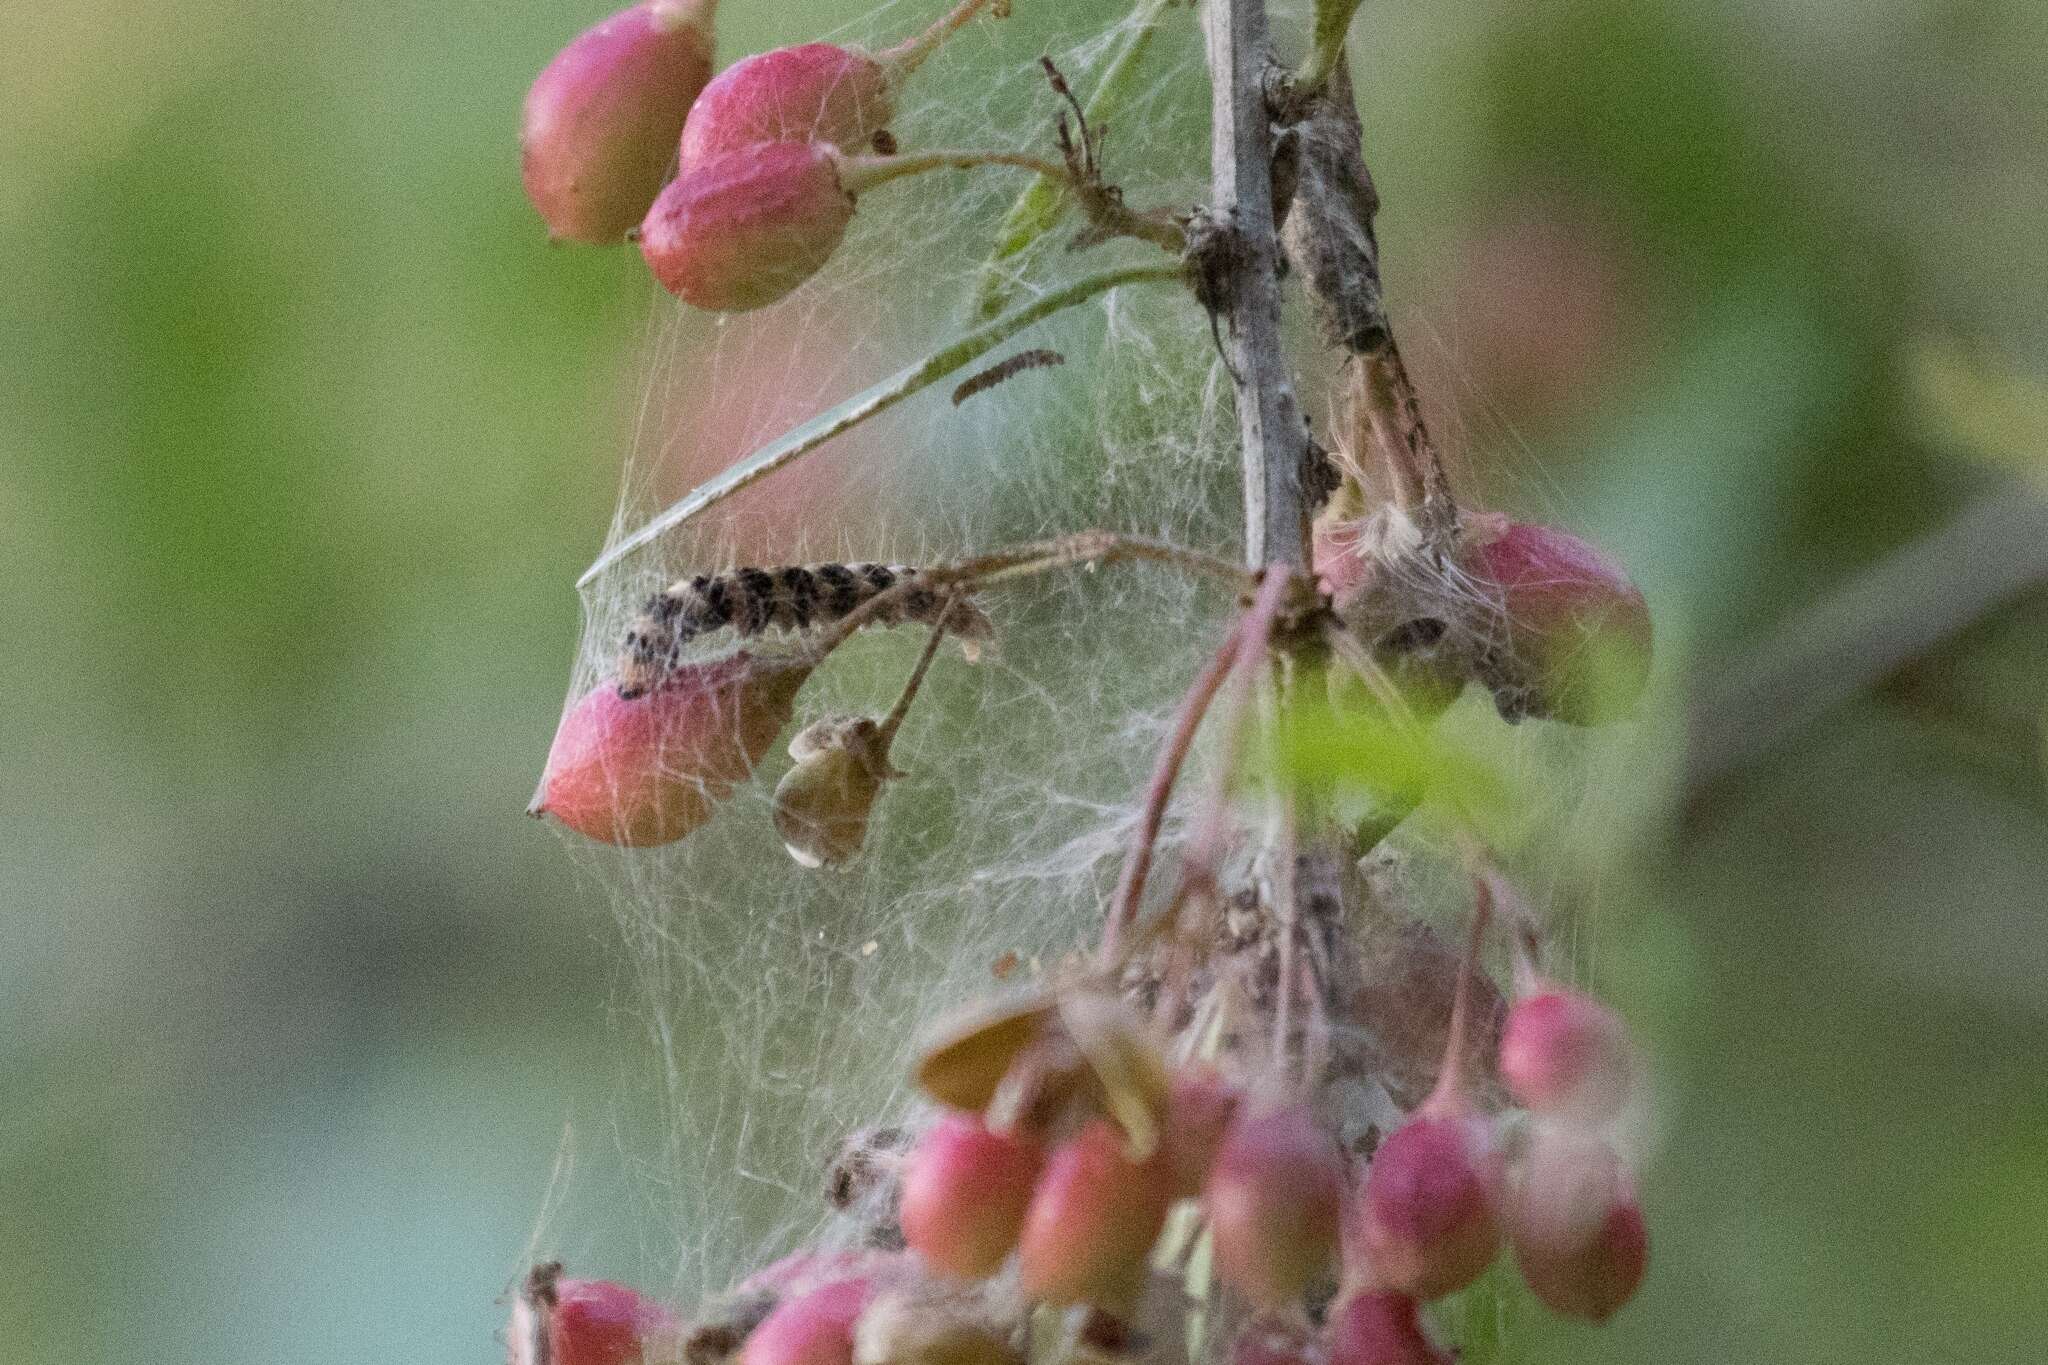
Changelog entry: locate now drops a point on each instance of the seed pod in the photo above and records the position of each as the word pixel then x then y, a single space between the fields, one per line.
pixel 965 1193
pixel 908 1327
pixel 1426 1222
pixel 1199 1107
pixel 585 1322
pixel 1565 1052
pixel 743 229
pixel 1577 646
pixel 650 770
pixel 1092 1221
pixel 823 803
pixel 811 1328
pixel 602 119
pixel 1576 1226
pixel 1272 1200
pixel 1381 1328
pixel 972 1054
pixel 814 92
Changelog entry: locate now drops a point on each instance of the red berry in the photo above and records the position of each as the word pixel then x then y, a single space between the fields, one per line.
pixel 817 92
pixel 743 229
pixel 602 119
pixel 1577 647
pixel 1427 1221
pixel 586 1322
pixel 650 770
pixel 1562 1051
pixel 812 1328
pixel 1199 1107
pixel 1092 1221
pixel 1381 1328
pixel 1273 1201
pixel 965 1192
pixel 1576 1226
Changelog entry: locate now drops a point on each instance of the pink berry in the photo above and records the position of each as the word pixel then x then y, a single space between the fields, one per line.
pixel 1382 1328
pixel 1426 1221
pixel 602 119
pixel 1562 1051
pixel 585 1322
pixel 965 1193
pixel 1092 1221
pixel 817 92
pixel 1576 1226
pixel 1577 645
pixel 807 1269
pixel 650 770
pixel 1273 1201
pixel 745 228
pixel 812 1328
pixel 1199 1107
pixel 814 92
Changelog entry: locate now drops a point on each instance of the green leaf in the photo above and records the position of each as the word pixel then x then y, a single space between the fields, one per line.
pixel 1351 750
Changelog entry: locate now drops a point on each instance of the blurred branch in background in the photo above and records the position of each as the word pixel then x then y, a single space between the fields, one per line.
pixel 1900 608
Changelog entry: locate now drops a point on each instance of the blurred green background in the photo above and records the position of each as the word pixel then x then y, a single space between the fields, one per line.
pixel 305 432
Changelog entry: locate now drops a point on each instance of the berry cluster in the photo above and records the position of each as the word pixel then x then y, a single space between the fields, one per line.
pixel 1066 1140
pixel 768 157
pixel 1185 1117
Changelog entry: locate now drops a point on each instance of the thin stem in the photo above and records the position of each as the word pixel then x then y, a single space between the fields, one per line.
pixel 1450 1083
pixel 1495 890
pixel 1282 842
pixel 669 15
pixel 886 731
pixel 801 440
pixel 858 174
pixel 1206 847
pixel 1333 21
pixel 1165 772
pixel 910 54
pixel 1038 208
pixel 1027 560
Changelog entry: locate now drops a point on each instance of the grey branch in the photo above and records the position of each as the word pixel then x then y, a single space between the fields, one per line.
pixel 1892 613
pixel 1235 253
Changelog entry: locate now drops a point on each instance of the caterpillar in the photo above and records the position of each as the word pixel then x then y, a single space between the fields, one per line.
pixel 1003 369
pixel 794 597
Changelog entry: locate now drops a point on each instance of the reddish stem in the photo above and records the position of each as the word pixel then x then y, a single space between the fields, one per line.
pixel 1241 650
pixel 1186 722
pixel 1449 1095
pixel 886 731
